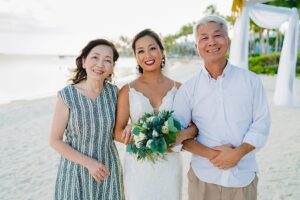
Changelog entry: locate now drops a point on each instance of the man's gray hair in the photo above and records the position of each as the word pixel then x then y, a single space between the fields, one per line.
pixel 208 19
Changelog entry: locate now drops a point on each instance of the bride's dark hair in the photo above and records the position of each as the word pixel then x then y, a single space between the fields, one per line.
pixel 149 32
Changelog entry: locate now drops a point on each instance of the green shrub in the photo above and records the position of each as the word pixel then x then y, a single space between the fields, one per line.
pixel 268 63
pixel 270 70
pixel 258 69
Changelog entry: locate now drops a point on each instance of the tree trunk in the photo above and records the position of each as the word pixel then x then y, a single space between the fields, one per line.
pixel 267 46
pixel 277 41
pixel 261 41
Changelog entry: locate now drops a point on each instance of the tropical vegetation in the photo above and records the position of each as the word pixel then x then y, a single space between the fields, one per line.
pixel 264 47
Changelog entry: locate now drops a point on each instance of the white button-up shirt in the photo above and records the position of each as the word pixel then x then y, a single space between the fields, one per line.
pixel 230 110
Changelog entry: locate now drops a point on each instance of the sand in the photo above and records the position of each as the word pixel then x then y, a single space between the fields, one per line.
pixel 28 165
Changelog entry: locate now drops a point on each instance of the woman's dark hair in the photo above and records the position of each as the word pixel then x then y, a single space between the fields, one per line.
pixel 80 73
pixel 149 32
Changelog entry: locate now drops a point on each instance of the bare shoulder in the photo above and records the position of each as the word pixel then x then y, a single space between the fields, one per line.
pixel 177 84
pixel 134 84
pixel 80 87
pixel 61 104
pixel 124 91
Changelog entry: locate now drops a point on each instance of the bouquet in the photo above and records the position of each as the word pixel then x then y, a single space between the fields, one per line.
pixel 153 135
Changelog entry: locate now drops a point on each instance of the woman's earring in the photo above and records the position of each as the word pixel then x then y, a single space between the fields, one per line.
pixel 109 78
pixel 163 62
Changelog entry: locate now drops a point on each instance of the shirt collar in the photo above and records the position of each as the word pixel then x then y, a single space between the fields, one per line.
pixel 226 71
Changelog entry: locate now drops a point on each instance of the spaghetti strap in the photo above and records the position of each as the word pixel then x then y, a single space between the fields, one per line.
pixel 129 85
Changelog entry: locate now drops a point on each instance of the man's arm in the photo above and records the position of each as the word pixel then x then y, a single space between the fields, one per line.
pixel 258 132
pixel 182 108
pixel 255 137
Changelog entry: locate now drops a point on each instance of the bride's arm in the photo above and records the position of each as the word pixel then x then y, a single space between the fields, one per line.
pixel 188 133
pixel 122 131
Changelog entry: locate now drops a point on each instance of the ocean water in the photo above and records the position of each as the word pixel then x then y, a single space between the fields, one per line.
pixel 24 77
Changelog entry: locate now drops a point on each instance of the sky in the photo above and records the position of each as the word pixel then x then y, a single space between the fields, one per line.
pixel 65 26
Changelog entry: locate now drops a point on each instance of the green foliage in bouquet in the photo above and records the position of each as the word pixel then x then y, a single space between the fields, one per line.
pixel 153 135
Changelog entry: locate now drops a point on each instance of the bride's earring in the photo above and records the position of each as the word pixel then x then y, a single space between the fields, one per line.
pixel 163 62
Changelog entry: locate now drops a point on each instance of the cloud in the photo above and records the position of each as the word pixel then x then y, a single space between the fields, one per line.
pixel 57 26
pixel 29 17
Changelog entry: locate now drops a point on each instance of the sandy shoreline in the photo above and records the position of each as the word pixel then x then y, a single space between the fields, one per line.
pixel 28 165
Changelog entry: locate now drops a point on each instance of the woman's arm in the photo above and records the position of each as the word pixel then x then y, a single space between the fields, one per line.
pixel 59 124
pixel 122 131
pixel 189 133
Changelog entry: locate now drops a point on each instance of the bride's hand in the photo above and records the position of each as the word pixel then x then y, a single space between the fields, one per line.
pixel 189 133
pixel 126 134
pixel 179 139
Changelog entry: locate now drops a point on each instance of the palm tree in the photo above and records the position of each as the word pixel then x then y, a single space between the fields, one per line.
pixel 288 4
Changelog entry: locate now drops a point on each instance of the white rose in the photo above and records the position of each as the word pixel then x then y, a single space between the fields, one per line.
pixel 149 143
pixel 166 123
pixel 155 133
pixel 142 136
pixel 165 129
pixel 150 119
pixel 136 137
pixel 145 125
pixel 138 144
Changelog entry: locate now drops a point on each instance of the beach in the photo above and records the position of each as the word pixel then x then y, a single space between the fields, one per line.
pixel 28 165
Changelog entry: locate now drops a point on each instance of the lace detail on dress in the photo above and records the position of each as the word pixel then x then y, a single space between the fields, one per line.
pixel 142 179
pixel 140 104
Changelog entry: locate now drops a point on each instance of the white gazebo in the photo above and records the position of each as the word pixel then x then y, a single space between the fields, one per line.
pixel 270 17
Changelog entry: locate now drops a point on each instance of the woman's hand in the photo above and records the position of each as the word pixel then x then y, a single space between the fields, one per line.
pixel 97 170
pixel 126 134
pixel 189 133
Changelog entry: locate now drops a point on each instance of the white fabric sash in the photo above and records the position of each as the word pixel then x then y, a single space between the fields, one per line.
pixel 270 17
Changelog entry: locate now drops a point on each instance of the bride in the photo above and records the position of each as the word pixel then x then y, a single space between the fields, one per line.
pixel 150 92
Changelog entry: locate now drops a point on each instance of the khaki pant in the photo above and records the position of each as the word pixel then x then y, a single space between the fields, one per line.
pixel 199 190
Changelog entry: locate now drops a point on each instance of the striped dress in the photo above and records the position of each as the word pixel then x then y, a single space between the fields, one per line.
pixel 90 131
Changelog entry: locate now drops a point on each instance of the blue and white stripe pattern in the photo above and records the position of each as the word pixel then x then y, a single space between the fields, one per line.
pixel 90 131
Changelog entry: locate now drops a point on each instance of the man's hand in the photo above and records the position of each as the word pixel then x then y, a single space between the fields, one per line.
pixel 228 157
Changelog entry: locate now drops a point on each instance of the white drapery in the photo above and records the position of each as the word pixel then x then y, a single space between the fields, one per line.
pixel 272 18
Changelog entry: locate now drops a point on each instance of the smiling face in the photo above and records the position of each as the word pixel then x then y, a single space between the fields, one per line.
pixel 148 54
pixel 212 43
pixel 99 62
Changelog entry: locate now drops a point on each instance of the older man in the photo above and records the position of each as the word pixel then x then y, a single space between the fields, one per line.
pixel 229 107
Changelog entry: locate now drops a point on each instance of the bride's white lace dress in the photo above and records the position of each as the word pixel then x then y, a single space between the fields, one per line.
pixel 144 180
